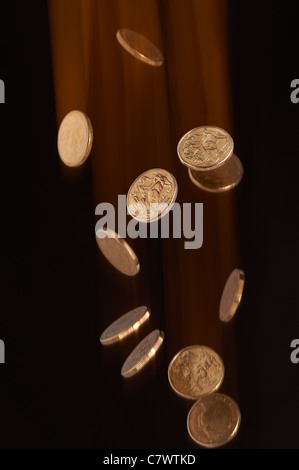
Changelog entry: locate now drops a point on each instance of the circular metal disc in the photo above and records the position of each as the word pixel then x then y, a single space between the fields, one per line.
pixel 224 178
pixel 125 325
pixel 75 138
pixel 117 251
pixel 140 47
pixel 195 371
pixel 231 295
pixel 205 148
pixel 213 420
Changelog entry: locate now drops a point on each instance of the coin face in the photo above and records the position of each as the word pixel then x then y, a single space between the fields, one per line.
pixel 152 195
pixel 195 371
pixel 75 137
pixel 125 325
pixel 205 148
pixel 143 353
pixel 117 251
pixel 140 47
pixel 231 295
pixel 214 420
pixel 221 179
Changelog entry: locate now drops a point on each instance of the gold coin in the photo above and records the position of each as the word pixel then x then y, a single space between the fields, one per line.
pixel 213 420
pixel 221 179
pixel 231 295
pixel 117 251
pixel 125 325
pixel 205 148
pixel 195 371
pixel 143 353
pixel 140 47
pixel 75 137
pixel 152 195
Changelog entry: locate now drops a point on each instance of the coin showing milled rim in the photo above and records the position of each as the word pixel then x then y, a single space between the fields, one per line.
pixel 152 195
pixel 221 179
pixel 213 420
pixel 75 138
pixel 125 325
pixel 205 148
pixel 140 47
pixel 231 295
pixel 117 251
pixel 143 353
pixel 195 371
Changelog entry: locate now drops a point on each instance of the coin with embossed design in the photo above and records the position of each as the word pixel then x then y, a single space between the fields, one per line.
pixel 205 148
pixel 231 295
pixel 125 325
pixel 118 252
pixel 195 371
pixel 75 138
pixel 143 353
pixel 221 179
pixel 152 195
pixel 140 47
pixel 214 420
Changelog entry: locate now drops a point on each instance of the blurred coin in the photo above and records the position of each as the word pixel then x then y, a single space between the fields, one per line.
pixel 152 195
pixel 75 137
pixel 125 325
pixel 117 251
pixel 225 177
pixel 140 47
pixel 143 353
pixel 213 420
pixel 195 371
pixel 205 148
pixel 231 295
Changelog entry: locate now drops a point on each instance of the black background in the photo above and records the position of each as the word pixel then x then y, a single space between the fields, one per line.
pixel 51 388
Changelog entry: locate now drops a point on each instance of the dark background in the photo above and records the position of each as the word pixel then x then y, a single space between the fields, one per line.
pixel 53 388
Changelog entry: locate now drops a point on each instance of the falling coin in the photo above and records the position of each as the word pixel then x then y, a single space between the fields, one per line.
pixel 214 420
pixel 231 295
pixel 117 251
pixel 125 325
pixel 75 137
pixel 140 47
pixel 205 148
pixel 195 371
pixel 143 353
pixel 152 195
pixel 221 179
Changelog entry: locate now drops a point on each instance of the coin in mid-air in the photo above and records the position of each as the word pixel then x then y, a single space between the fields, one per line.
pixel 220 179
pixel 196 371
pixel 231 295
pixel 213 420
pixel 118 252
pixel 152 195
pixel 143 353
pixel 205 148
pixel 125 325
pixel 140 47
pixel 75 138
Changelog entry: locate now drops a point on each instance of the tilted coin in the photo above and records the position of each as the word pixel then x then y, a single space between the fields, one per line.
pixel 152 195
pixel 205 148
pixel 117 251
pixel 143 353
pixel 221 179
pixel 140 47
pixel 75 138
pixel 125 325
pixel 214 420
pixel 231 295
pixel 195 371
